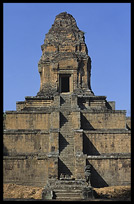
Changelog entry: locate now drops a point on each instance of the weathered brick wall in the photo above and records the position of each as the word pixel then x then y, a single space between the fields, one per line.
pixel 75 120
pixel 23 120
pixel 103 144
pixel 68 64
pixel 108 152
pixel 31 103
pixel 104 120
pixel 25 171
pixel 110 171
pixel 54 141
pixel 98 142
pixel 80 163
pixel 24 143
pixel 54 120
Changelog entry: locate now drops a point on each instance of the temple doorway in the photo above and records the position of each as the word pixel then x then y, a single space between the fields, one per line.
pixel 64 83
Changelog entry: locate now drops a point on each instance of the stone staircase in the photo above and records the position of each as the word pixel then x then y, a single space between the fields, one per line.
pixel 66 188
pixel 69 190
pixel 65 101
pixel 66 139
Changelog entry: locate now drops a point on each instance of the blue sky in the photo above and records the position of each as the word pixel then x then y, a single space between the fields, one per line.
pixel 107 35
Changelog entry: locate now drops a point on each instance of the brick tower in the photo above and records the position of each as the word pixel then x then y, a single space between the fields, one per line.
pixel 53 136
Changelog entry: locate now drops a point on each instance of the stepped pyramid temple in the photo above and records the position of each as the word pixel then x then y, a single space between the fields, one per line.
pixel 66 139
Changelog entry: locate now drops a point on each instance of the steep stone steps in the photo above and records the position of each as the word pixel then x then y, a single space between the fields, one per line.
pixel 66 145
pixel 68 195
pixel 68 160
pixel 65 121
pixel 66 165
pixel 69 189
pixel 66 140
pixel 65 100
pixel 69 149
pixel 70 183
pixel 66 127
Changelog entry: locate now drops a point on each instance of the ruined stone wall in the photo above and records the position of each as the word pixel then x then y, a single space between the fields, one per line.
pixel 110 171
pixel 26 142
pixel 107 141
pixel 28 139
pixel 33 104
pixel 26 120
pixel 25 170
pixel 108 152
pixel 103 120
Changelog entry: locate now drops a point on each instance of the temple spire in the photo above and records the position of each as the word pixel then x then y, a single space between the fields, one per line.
pixel 64 54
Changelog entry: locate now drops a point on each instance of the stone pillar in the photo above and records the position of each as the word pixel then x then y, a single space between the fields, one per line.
pixel 71 83
pixel 75 80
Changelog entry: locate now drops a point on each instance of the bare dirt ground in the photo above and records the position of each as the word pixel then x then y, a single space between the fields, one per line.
pixel 114 192
pixel 13 191
pixel 19 191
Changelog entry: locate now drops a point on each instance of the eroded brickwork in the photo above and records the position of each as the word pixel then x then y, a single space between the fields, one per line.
pixel 51 137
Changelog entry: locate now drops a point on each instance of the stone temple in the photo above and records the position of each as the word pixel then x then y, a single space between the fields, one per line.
pixel 52 137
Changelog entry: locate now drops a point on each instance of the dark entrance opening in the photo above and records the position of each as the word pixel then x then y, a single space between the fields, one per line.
pixel 64 83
